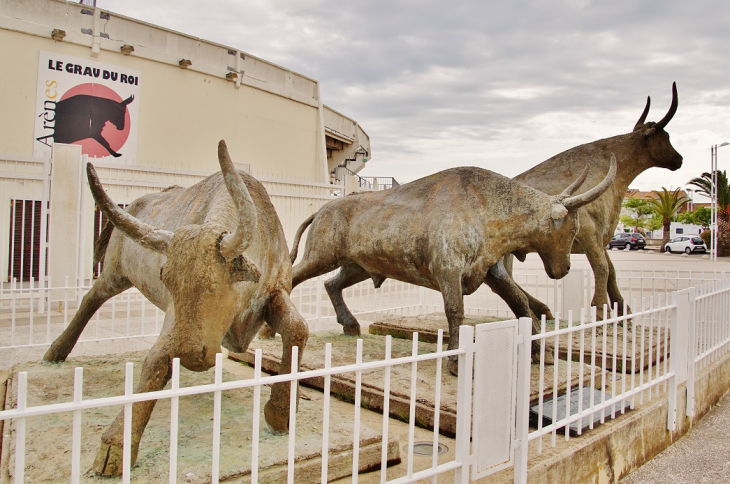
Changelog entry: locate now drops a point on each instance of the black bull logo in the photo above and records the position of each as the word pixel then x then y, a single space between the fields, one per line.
pixel 83 116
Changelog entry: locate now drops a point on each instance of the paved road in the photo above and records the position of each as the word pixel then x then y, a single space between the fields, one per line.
pixel 701 456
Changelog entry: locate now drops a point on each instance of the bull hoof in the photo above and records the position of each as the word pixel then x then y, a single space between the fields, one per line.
pixel 351 329
pixel 453 366
pixel 277 419
pixel 55 354
pixel 108 460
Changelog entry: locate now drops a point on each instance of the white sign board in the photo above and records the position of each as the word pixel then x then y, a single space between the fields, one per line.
pixel 87 103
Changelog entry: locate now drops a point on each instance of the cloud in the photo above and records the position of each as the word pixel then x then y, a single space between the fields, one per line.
pixel 503 85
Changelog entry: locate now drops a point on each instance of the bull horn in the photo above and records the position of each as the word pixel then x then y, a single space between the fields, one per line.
pixel 128 100
pixel 672 109
pixel 578 201
pixel 642 118
pixel 146 235
pixel 574 186
pixel 234 244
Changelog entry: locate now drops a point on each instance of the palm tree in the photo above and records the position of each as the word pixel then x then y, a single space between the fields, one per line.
pixel 704 186
pixel 666 206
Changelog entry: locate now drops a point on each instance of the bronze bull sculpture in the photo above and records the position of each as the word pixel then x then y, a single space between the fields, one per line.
pixel 446 232
pixel 646 146
pixel 214 258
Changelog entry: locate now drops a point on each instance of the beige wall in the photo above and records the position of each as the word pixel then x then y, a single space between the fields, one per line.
pixel 272 118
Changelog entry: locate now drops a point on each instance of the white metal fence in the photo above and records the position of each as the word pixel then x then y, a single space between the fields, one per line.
pixel 611 366
pixel 25 191
pixel 129 315
pixel 679 326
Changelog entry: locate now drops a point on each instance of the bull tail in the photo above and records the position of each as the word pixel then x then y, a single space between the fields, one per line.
pixel 298 237
pixel 101 243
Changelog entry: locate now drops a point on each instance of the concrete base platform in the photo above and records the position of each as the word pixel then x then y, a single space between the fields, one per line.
pixel 48 445
pixel 343 386
pixel 427 326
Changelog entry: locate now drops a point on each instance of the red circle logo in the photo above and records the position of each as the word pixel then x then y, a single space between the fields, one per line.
pixel 115 137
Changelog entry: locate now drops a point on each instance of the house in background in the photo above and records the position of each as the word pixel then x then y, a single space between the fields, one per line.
pixel 676 228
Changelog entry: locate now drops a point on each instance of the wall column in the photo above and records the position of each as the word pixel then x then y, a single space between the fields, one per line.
pixel 63 256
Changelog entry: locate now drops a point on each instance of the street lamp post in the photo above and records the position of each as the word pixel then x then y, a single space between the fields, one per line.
pixel 713 199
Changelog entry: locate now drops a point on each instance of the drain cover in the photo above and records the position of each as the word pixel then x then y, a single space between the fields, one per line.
pixel 426 448
pixel 574 397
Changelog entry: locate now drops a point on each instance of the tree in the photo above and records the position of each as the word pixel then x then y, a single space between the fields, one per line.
pixel 666 206
pixel 701 216
pixel 704 186
pixel 640 209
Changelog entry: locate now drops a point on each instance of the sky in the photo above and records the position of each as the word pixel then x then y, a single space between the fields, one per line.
pixel 502 85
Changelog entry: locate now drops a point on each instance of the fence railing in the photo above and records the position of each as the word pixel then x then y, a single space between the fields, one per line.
pixel 611 366
pixel 23 413
pixel 25 188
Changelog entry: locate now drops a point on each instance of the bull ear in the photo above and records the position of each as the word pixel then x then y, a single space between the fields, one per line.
pixel 137 230
pixel 573 203
pixel 234 244
pixel 558 211
pixel 650 132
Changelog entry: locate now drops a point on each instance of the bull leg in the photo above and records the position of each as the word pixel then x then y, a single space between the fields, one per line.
pixel 596 255
pixel 284 318
pixel 156 372
pixel 502 284
pixel 613 291
pixel 454 308
pixel 100 293
pixel 347 276
pixel 538 307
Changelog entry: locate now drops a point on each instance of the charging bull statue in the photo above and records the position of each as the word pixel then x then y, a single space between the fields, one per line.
pixel 214 258
pixel 447 232
pixel 646 146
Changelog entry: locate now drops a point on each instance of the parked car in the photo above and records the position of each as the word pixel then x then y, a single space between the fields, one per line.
pixel 628 241
pixel 686 244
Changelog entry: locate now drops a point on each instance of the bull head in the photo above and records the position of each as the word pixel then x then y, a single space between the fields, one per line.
pixel 660 149
pixel 231 246
pixel 557 233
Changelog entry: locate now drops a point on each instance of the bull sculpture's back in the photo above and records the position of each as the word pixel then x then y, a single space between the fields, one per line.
pixel 214 258
pixel 645 147
pixel 446 232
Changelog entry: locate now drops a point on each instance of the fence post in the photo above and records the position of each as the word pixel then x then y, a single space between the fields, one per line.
pixel 82 230
pixel 691 353
pixel 464 404
pixel 65 205
pixel 522 407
